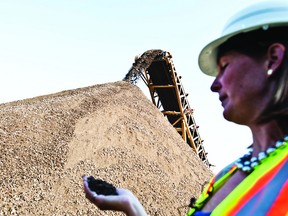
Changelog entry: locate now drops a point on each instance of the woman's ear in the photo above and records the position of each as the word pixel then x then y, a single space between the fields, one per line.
pixel 275 56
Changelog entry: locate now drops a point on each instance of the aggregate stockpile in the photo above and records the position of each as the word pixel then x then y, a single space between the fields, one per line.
pixel 111 131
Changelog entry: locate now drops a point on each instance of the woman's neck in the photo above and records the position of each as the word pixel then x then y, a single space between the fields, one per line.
pixel 265 136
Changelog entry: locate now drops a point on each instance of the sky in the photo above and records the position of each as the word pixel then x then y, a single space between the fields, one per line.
pixel 48 46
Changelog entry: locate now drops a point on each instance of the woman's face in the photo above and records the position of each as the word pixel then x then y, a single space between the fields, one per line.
pixel 242 87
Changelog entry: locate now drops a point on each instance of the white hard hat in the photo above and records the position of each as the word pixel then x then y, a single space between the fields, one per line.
pixel 261 15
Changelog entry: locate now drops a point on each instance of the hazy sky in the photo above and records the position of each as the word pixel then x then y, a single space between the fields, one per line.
pixel 47 46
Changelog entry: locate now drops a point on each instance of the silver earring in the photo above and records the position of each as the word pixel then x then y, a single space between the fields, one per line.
pixel 269 72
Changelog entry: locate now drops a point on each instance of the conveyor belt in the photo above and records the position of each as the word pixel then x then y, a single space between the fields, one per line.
pixel 156 69
pixel 160 75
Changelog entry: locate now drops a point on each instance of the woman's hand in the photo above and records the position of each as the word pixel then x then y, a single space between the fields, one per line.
pixel 125 201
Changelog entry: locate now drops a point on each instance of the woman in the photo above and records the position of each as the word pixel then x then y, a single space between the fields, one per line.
pixel 250 62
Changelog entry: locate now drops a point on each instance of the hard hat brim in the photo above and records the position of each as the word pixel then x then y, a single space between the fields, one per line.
pixel 208 56
pixel 263 15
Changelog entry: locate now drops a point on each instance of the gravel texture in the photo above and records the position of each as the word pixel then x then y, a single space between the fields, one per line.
pixel 111 131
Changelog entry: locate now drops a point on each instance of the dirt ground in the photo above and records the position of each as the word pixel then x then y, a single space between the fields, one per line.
pixel 111 131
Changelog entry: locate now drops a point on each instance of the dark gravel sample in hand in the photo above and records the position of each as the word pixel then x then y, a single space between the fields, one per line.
pixel 101 187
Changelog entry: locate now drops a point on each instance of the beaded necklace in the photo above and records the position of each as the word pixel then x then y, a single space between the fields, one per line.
pixel 247 163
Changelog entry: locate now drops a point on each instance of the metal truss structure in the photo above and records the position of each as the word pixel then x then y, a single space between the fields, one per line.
pixel 156 69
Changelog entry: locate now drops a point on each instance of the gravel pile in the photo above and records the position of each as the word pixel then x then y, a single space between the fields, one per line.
pixel 111 131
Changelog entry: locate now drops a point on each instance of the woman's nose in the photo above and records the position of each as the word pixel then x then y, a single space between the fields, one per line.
pixel 216 85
